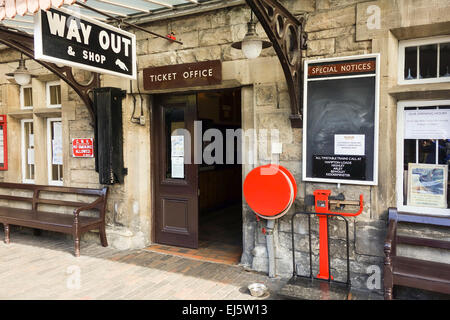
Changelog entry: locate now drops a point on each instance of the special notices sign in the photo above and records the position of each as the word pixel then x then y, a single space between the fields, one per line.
pixel 62 37
pixel 183 75
pixel 340 122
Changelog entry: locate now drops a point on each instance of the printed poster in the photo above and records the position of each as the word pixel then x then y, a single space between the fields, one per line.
pixel 349 144
pixel 177 146
pixel 178 167
pixel 427 124
pixel 427 185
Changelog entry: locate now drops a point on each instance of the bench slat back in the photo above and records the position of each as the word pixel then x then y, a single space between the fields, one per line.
pixel 35 200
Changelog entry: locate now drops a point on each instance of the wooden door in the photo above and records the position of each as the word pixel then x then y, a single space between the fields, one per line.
pixel 176 185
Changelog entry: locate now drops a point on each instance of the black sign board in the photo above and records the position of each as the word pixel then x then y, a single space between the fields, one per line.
pixel 339 167
pixel 340 143
pixel 63 37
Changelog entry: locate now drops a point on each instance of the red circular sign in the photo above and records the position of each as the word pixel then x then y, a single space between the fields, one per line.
pixel 270 190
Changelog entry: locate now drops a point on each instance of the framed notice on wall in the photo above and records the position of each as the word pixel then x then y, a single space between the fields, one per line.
pixel 3 144
pixel 341 101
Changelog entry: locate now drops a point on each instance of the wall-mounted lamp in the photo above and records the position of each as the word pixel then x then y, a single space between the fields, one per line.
pixel 251 45
pixel 21 75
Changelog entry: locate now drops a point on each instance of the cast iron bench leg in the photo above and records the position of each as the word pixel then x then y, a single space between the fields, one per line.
pixel 77 246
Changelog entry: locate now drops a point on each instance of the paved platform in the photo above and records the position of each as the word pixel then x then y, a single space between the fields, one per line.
pixel 44 268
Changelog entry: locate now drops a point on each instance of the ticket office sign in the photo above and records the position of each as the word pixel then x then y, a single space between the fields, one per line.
pixel 64 37
pixel 183 75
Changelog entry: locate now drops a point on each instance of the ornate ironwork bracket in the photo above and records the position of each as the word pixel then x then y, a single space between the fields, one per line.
pixel 25 44
pixel 288 37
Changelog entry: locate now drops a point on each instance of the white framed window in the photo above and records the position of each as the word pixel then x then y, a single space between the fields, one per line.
pixel 425 60
pixel 28 164
pixel 54 151
pixel 26 97
pixel 423 157
pixel 53 92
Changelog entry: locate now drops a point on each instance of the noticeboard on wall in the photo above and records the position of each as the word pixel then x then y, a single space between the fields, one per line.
pixel 3 144
pixel 341 101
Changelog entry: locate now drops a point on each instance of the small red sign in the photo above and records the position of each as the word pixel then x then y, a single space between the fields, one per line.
pixel 83 148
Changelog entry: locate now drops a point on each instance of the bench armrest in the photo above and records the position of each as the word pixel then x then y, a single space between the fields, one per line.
pixel 97 204
pixel 390 243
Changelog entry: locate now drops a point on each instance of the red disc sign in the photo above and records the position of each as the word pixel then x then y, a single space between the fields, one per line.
pixel 270 190
pixel 83 148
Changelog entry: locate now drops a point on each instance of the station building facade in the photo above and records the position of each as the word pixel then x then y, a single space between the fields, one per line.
pixel 252 95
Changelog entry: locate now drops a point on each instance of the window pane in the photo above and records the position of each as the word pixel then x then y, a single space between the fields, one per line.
pixel 410 152
pixel 29 150
pixel 427 151
pixel 428 61
pixel 56 149
pixel 27 97
pixel 444 151
pixel 444 67
pixel 174 120
pixel 55 95
pixel 410 63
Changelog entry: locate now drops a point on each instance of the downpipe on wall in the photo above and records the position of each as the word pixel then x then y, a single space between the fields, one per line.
pixel 270 247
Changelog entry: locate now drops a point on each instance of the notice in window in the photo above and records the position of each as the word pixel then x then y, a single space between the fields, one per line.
pixel 177 146
pixel 427 185
pixel 427 124
pixel 30 154
pixel 57 152
pixel 178 167
pixel 349 144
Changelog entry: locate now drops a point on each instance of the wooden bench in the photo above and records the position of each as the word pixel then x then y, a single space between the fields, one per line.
pixel 50 220
pixel 409 272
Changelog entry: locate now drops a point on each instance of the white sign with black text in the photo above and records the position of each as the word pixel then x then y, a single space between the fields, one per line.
pixel 427 124
pixel 349 144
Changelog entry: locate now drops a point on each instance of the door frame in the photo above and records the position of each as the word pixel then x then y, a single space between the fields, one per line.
pixel 154 154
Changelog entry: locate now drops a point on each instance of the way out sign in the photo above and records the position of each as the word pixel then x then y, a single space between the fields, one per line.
pixel 64 37
pixel 83 148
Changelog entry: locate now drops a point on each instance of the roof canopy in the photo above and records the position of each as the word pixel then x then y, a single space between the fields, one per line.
pixel 18 14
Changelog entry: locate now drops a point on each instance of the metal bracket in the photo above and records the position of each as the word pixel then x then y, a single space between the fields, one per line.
pixel 24 43
pixel 288 37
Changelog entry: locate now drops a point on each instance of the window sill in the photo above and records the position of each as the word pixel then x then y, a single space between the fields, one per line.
pixel 421 91
pixel 23 114
pixel 48 112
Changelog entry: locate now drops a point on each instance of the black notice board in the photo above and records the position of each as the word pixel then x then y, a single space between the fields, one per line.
pixel 340 104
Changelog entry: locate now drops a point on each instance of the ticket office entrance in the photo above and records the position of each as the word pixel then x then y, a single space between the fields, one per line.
pixel 197 172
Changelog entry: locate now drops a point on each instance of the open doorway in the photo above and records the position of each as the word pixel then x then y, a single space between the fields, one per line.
pixel 220 182
pixel 198 204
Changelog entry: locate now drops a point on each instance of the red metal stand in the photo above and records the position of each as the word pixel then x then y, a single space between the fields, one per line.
pixel 322 205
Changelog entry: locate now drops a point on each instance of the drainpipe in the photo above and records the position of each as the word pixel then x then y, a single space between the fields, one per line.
pixel 270 247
